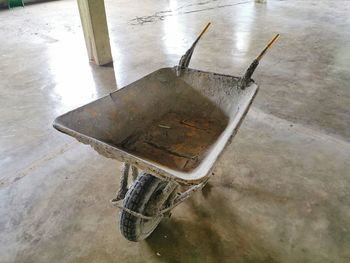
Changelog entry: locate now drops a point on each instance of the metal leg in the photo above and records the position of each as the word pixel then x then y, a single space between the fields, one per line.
pixel 175 200
pixel 123 183
pixel 134 172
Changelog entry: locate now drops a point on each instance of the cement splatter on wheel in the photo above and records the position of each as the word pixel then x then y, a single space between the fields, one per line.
pixel 141 198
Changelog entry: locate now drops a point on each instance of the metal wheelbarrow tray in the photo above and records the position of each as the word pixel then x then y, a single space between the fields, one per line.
pixel 170 126
pixel 173 124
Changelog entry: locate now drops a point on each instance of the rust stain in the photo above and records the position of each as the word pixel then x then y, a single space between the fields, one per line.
pixel 182 146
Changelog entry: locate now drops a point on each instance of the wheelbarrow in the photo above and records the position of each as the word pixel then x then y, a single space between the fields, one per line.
pixel 172 124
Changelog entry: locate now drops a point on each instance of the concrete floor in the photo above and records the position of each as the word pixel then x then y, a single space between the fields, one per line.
pixel 281 192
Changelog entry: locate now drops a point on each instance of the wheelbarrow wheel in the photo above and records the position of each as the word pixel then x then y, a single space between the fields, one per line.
pixel 140 196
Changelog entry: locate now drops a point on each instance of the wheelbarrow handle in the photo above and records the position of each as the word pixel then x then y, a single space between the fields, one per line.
pixel 245 80
pixel 186 58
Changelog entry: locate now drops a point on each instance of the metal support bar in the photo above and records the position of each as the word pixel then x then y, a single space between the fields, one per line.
pixel 134 172
pixel 123 183
pixel 178 200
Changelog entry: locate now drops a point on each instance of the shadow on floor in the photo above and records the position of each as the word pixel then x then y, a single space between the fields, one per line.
pixel 213 233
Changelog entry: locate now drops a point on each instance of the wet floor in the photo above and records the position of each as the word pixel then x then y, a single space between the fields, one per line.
pixel 280 192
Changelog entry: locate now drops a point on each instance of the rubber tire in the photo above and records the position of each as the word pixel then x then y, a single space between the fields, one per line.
pixel 137 198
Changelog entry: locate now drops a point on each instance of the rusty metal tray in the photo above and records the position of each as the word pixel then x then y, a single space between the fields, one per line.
pixel 171 125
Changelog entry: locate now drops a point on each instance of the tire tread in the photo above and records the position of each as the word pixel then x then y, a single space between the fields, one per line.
pixel 135 200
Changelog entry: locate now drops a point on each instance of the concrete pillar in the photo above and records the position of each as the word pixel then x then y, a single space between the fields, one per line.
pixel 94 23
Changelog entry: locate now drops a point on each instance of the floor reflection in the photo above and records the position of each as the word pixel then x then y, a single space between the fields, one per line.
pixel 243 21
pixel 173 31
pixel 72 75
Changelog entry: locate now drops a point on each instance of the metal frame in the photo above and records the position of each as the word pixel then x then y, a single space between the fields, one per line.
pixel 175 200
pixel 172 185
